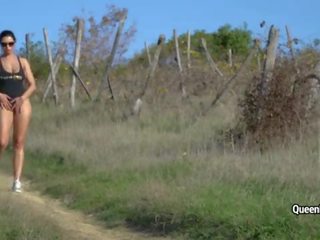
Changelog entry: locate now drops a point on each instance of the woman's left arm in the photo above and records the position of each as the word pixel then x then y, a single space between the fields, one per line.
pixel 17 102
pixel 30 79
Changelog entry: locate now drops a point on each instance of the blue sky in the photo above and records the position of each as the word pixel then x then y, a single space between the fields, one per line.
pixel 154 17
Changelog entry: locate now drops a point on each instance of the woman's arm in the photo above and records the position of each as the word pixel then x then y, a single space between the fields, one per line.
pixel 17 102
pixel 29 77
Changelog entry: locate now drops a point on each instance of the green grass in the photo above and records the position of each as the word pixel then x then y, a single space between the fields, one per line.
pixel 167 174
pixel 174 198
pixel 17 221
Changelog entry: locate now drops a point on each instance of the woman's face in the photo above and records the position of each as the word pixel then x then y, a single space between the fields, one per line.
pixel 7 44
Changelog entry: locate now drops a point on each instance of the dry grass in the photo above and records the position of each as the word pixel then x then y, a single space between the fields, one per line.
pixel 172 169
pixel 18 221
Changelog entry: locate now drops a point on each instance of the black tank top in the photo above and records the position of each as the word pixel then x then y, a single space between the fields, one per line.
pixel 12 83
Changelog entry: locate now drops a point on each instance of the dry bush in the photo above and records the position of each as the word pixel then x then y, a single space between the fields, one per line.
pixel 284 113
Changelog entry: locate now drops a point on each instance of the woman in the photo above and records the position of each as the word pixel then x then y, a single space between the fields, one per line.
pixel 16 86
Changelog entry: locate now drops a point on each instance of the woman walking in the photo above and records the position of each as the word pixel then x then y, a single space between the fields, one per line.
pixel 16 86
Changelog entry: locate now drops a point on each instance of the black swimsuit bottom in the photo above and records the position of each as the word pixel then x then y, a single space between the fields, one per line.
pixel 12 83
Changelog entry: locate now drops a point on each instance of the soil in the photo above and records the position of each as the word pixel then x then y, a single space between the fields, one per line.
pixel 73 223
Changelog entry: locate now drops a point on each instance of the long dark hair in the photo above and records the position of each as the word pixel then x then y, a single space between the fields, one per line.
pixel 7 33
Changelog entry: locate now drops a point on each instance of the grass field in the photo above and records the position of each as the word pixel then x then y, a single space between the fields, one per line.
pixel 168 174
pixel 18 221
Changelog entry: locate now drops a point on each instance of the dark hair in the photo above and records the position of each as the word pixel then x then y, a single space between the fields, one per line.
pixel 7 33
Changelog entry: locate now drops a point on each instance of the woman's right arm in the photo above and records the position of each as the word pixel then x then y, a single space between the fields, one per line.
pixel 5 101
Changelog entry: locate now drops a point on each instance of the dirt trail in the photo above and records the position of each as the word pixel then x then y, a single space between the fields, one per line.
pixel 74 223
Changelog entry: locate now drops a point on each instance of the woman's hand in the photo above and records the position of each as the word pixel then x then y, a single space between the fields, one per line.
pixel 5 101
pixel 16 104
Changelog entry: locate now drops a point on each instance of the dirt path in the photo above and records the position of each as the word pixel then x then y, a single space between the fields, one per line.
pixel 77 225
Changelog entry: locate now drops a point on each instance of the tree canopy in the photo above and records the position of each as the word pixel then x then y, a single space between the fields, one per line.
pixel 239 40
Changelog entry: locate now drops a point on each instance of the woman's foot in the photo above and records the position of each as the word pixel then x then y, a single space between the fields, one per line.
pixel 16 186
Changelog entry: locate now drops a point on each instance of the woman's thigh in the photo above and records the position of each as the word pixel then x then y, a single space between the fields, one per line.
pixel 21 121
pixel 6 119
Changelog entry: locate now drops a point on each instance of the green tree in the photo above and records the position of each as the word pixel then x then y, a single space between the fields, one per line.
pixel 239 40
pixel 38 59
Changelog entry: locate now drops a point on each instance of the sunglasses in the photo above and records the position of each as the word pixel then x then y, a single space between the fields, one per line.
pixel 5 44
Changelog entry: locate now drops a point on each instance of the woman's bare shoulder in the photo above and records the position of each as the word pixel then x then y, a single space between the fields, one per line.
pixel 24 61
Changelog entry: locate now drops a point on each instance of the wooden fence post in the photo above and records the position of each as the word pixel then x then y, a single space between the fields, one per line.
pixel 189 50
pixel 56 65
pixel 295 63
pixel 230 57
pixel 267 72
pixel 212 64
pixel 153 67
pixel 151 70
pixel 182 86
pixel 80 25
pixel 105 79
pixel 289 44
pixel 313 80
pixel 259 62
pixel 77 75
pixel 270 60
pixel 148 53
pixel 28 50
pixel 239 73
pixel 53 77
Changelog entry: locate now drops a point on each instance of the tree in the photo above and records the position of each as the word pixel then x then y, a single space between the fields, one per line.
pixel 218 43
pixel 98 38
pixel 237 39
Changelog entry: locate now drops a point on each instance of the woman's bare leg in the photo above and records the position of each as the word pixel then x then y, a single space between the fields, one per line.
pixel 6 118
pixel 20 126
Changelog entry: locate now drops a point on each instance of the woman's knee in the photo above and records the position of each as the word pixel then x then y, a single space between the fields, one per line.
pixel 3 144
pixel 18 144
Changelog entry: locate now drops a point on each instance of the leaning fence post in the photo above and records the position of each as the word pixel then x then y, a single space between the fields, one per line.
pixel 148 53
pixel 56 65
pixel 105 79
pixel 77 75
pixel 53 77
pixel 289 44
pixel 259 62
pixel 153 67
pixel 182 87
pixel 212 64
pixel 76 60
pixel 270 60
pixel 267 71
pixel 244 66
pixel 151 70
